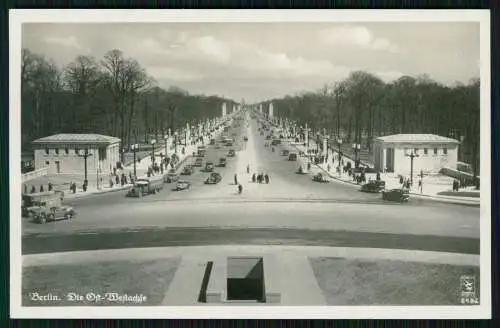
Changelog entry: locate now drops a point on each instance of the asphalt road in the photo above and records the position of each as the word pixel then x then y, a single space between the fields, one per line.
pixel 292 209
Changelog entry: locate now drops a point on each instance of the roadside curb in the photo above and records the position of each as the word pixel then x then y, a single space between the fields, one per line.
pixel 83 194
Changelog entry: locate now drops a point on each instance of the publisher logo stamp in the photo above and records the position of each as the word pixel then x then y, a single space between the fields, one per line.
pixel 468 290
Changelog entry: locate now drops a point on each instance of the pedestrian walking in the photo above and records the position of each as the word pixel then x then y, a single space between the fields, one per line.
pixel 50 186
pixel 117 180
pixel 41 188
pixel 33 190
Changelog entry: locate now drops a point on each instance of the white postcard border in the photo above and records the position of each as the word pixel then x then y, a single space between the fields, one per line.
pixel 18 17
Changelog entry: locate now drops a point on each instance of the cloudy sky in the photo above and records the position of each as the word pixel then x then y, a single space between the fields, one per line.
pixel 258 61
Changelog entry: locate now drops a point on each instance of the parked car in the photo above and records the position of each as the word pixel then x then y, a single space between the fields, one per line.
pixel 292 157
pixel 198 162
pixel 396 195
pixel 285 152
pixel 214 178
pixel 275 142
pixel 320 178
pixel 373 186
pixel 231 153
pixel 212 141
pixel 44 214
pixel 182 185
pixel 188 170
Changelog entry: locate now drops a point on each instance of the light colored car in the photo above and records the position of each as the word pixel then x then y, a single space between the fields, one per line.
pixel 182 185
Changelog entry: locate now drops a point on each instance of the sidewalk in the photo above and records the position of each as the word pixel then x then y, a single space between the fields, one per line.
pixel 432 187
pixel 62 181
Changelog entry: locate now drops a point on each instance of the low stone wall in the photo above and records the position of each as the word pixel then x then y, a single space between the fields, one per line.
pixel 474 194
pixel 34 174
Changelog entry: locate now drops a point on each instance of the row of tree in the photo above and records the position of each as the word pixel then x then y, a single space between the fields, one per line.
pixel 112 96
pixel 362 107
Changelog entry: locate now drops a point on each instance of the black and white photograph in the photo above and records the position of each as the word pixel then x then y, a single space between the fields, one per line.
pixel 183 164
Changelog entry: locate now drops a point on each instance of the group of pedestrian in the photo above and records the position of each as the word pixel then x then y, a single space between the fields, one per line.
pixel 359 178
pixel 260 178
pixel 405 182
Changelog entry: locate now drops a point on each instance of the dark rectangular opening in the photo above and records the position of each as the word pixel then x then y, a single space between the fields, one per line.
pixel 245 279
pixel 202 297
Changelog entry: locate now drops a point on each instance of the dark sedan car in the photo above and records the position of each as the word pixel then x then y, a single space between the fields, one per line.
pixel 373 186
pixel 396 195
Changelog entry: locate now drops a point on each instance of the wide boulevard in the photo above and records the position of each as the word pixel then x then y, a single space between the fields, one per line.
pixel 290 210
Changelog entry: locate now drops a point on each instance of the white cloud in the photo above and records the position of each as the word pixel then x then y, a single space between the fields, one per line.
pixel 358 36
pixel 210 46
pixel 69 41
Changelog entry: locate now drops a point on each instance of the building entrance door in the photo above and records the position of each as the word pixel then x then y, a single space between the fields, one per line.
pixel 58 167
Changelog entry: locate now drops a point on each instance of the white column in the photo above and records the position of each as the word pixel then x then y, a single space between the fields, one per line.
pixel 307 138
pixel 271 110
pixel 384 157
pixel 224 109
pixel 325 144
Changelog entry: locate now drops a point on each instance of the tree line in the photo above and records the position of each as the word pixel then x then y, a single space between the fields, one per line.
pixel 111 96
pixel 363 107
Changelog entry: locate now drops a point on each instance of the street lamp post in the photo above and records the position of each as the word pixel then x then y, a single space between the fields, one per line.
pixel 411 156
pixel 85 155
pixel 339 143
pixel 166 145
pixel 153 143
pixel 134 148
pixel 356 148
pixel 175 141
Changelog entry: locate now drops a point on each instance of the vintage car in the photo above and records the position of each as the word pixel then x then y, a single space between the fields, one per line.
pixel 209 167
pixel 182 185
pixel 146 186
pixel 31 202
pixel 212 141
pixel 396 195
pixel 268 137
pixel 275 142
pixel 231 153
pixel 214 178
pixel 44 214
pixel 188 170
pixel 292 157
pixel 222 162
pixel 285 152
pixel 320 178
pixel 201 151
pixel 170 177
pixel 373 186
pixel 198 162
